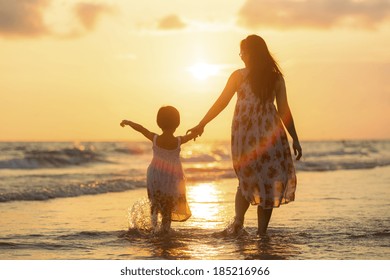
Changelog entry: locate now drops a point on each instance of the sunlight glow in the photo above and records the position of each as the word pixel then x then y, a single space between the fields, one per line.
pixel 202 71
pixel 205 193
pixel 204 200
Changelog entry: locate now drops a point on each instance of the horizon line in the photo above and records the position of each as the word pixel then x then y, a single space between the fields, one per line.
pixel 207 140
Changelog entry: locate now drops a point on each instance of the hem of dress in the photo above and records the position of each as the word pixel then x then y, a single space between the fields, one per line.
pixel 283 203
pixel 181 220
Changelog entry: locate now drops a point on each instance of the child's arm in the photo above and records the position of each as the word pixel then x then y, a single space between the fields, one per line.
pixel 138 128
pixel 188 137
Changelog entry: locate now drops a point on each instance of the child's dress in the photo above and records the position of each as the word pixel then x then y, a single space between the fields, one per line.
pixel 166 182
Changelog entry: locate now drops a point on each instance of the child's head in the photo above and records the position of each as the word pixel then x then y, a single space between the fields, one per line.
pixel 168 117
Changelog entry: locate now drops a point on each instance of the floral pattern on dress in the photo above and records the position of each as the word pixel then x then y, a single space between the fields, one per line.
pixel 166 183
pixel 261 153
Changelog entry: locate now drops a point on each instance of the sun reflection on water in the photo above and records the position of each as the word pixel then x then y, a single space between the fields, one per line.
pixel 204 203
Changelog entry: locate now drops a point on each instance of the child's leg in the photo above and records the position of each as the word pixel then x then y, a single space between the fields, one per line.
pixel 153 208
pixel 241 206
pixel 166 222
pixel 153 216
pixel 263 217
pixel 166 217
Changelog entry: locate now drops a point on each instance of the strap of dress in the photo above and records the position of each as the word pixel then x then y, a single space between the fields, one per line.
pixel 154 140
pixel 178 142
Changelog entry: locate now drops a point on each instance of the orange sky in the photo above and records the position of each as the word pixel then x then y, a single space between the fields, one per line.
pixel 72 70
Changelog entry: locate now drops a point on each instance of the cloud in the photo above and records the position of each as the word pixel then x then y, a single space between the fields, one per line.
pixel 23 18
pixel 287 14
pixel 89 13
pixel 26 18
pixel 171 22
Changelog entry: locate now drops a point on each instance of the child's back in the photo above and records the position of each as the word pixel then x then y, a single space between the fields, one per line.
pixel 166 181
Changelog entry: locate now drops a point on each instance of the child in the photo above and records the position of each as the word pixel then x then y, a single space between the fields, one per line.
pixel 165 177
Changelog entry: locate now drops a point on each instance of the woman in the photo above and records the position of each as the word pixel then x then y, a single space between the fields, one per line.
pixel 260 150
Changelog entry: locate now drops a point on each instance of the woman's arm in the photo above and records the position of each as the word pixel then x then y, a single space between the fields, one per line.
pixel 138 128
pixel 220 104
pixel 286 116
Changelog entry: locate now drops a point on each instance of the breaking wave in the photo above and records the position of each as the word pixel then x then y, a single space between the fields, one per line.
pixel 96 187
pixel 52 159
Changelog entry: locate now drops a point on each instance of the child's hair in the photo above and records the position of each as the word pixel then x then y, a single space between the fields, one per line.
pixel 168 117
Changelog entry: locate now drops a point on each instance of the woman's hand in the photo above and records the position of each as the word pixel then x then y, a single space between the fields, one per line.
pixel 297 149
pixel 197 130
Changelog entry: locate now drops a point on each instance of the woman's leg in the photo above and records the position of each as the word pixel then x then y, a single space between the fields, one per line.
pixel 263 217
pixel 241 206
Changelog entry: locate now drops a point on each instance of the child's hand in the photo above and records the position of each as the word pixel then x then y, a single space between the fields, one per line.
pixel 196 131
pixel 123 123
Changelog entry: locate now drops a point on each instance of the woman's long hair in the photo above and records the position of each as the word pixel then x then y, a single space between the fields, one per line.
pixel 263 69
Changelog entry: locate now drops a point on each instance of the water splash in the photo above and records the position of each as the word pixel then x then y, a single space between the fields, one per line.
pixel 139 216
pixel 232 230
pixel 140 221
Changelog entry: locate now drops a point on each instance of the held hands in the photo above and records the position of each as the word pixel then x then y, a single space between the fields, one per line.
pixel 297 149
pixel 197 130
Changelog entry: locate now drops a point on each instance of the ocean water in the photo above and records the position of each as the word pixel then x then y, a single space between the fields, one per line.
pixel 62 200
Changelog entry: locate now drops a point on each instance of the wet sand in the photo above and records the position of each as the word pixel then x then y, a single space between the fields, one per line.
pixel 337 215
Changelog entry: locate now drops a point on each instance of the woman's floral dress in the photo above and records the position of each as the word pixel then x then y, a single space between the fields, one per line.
pixel 260 150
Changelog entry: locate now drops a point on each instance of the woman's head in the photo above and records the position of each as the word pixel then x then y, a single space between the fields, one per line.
pixel 263 69
pixel 168 117
pixel 254 50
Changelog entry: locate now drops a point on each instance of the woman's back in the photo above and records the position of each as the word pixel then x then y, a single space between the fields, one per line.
pixel 260 150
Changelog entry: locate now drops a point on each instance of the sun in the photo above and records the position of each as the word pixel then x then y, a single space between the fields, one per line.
pixel 202 71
